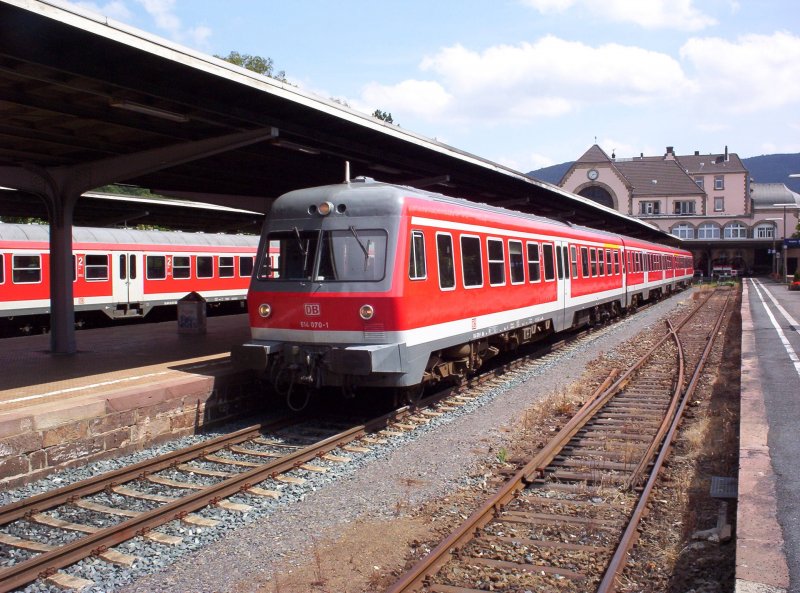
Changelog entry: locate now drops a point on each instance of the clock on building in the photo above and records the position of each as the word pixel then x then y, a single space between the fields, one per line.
pixel 592 174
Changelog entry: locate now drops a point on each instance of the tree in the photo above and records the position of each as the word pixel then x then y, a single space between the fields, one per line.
pixel 383 115
pixel 257 64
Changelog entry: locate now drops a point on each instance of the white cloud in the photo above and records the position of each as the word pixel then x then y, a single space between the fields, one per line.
pixel 163 13
pixel 414 97
pixel 114 9
pixel 549 78
pixel 649 14
pixel 754 73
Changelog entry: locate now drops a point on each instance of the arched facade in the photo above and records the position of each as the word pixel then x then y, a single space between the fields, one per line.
pixel 599 193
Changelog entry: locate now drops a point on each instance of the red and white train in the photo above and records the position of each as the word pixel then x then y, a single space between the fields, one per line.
pixel 120 272
pixel 377 285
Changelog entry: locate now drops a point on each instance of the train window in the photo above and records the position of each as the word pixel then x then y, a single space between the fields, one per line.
pixel 516 264
pixel 608 262
pixel 245 266
pixel 585 261
pixel 74 268
pixel 565 258
pixel 2 268
pixel 204 265
pixel 156 267
pixel 416 259
pixel 181 267
pixel 352 255
pixel 559 262
pixel 26 269
pixel 593 254
pixel 616 261
pixel 497 262
pixel 226 266
pixel 123 267
pixel 444 257
pixel 573 256
pixel 96 268
pixel 296 251
pixel 132 267
pixel 637 261
pixel 534 269
pixel 471 264
pixel 549 268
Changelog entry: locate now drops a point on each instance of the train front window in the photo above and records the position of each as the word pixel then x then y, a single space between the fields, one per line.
pixel 350 255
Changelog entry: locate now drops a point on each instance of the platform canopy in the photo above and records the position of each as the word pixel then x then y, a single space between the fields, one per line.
pixel 78 89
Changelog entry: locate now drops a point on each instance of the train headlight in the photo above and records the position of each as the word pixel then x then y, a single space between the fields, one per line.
pixel 264 310
pixel 325 208
pixel 366 312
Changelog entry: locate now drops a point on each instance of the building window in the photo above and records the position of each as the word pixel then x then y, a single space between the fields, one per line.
pixel 708 230
pixel 699 181
pixel 683 207
pixel 416 259
pixel 764 231
pixel 683 231
pixel 719 182
pixel 653 207
pixel 736 230
pixel 719 204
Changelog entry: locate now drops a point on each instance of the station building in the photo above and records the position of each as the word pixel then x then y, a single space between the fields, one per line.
pixel 731 223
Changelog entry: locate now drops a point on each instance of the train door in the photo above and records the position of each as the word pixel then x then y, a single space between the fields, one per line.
pixel 128 280
pixel 563 282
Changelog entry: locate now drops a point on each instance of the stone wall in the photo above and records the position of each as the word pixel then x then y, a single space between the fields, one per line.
pixel 36 441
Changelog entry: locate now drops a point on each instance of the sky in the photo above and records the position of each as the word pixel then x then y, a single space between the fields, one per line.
pixel 525 83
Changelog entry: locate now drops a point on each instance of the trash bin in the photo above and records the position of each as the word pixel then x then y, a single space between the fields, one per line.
pixel 192 314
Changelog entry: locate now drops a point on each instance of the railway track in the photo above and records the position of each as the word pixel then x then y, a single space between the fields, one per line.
pixel 567 519
pixel 53 530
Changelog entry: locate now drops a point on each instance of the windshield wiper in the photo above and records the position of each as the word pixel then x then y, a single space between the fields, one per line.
pixel 361 244
pixel 303 250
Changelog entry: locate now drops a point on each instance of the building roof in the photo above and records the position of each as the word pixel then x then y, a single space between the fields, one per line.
pixel 595 154
pixel 657 178
pixel 767 195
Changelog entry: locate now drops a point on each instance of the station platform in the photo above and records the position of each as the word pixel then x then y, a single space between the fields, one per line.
pixel 127 387
pixel 768 516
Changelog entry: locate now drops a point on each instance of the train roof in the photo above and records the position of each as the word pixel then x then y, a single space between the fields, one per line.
pixel 376 198
pixel 383 197
pixel 41 233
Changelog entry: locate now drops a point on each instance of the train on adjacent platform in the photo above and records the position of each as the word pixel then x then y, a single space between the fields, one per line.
pixel 121 273
pixel 367 284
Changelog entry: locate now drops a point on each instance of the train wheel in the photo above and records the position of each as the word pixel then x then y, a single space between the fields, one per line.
pixel 409 395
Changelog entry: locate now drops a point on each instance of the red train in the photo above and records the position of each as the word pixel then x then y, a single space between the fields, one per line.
pixel 120 272
pixel 376 285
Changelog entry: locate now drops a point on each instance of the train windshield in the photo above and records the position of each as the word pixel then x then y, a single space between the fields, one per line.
pixel 351 255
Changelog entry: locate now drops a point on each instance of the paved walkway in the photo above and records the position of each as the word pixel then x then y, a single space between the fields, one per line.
pixel 768 522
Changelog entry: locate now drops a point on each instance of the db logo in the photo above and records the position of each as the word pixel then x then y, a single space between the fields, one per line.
pixel 312 309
